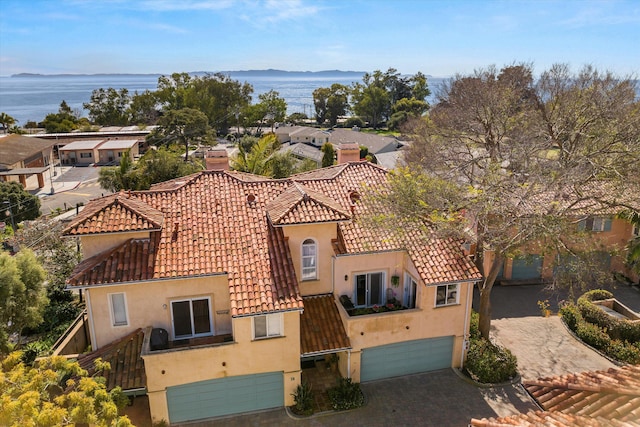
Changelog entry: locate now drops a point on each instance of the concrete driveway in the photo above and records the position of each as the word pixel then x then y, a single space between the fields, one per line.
pixel 544 347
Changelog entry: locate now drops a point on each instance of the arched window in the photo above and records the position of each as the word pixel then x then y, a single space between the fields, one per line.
pixel 309 260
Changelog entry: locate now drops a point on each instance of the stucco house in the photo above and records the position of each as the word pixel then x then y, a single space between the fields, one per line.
pixel 216 288
pixel 21 157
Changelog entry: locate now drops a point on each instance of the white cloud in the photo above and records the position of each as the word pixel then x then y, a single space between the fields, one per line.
pixel 175 5
pixel 599 14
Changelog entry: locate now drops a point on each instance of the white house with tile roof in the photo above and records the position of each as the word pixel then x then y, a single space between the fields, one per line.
pixel 237 280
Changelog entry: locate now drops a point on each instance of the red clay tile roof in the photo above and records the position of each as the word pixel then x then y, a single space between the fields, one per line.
pixel 131 261
pixel 321 328
pixel 551 419
pixel 613 394
pixel 127 367
pixel 299 205
pixel 115 213
pixel 217 222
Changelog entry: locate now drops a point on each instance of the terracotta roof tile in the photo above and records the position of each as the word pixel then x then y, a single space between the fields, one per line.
pixel 115 213
pixel 321 328
pixel 218 222
pixel 613 394
pixel 300 205
pixel 551 419
pixel 127 367
pixel 131 261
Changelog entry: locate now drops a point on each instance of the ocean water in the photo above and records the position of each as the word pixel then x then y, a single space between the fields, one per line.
pixel 33 97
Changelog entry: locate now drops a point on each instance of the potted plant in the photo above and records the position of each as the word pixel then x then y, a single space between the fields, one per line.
pixel 395 281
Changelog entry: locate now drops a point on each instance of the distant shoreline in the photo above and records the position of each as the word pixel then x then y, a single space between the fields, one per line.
pixel 269 72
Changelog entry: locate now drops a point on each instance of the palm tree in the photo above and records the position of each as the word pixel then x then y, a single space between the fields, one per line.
pixel 6 121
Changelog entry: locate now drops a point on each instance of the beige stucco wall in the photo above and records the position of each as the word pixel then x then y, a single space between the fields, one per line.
pixel 149 304
pixel 243 357
pixel 94 244
pixel 323 234
pixel 392 263
pixel 425 321
pixel 614 240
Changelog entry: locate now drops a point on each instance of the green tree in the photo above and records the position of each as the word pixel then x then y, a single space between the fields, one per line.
pixel 22 297
pixel 633 247
pixel 61 122
pixel 257 159
pixel 320 100
pixel 372 101
pixel 185 126
pixel 17 204
pixel 274 106
pixel 517 162
pixel 297 118
pixel 43 396
pixel 109 107
pixel 58 257
pixel 337 103
pixel 172 91
pixel 144 108
pixel 6 121
pixel 328 154
pixel 155 166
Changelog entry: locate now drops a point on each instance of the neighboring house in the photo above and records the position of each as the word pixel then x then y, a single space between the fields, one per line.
pixel 302 135
pixel 303 151
pixel 112 151
pixel 609 234
pixel 376 144
pixel 21 157
pixel 236 280
pixel 599 398
pixel 81 153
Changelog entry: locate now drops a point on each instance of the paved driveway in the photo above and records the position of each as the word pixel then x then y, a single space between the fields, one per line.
pixel 542 345
pixel 438 398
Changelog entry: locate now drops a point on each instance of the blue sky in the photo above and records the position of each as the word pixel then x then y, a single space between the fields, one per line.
pixel 439 38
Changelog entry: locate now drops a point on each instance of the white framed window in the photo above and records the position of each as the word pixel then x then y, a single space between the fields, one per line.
pixel 119 153
pixel 118 303
pixel 410 292
pixel 267 326
pixel 85 155
pixel 369 289
pixel 191 318
pixel 447 294
pixel 309 260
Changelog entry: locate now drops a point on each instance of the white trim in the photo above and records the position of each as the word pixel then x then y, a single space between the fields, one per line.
pixel 406 290
pixel 193 334
pixel 448 292
pixel 302 258
pixel 112 313
pixel 92 328
pixel 270 318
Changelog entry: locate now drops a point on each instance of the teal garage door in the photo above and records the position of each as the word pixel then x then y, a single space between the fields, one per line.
pixel 406 358
pixel 224 396
pixel 526 267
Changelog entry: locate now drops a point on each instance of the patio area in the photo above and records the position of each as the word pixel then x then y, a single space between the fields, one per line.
pixel 321 377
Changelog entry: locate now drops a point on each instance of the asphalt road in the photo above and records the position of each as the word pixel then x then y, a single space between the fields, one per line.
pixel 75 185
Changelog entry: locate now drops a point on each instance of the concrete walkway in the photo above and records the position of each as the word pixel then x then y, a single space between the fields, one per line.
pixel 544 347
pixel 438 398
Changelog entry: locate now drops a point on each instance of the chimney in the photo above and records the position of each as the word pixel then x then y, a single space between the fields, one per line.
pixel 348 152
pixel 217 159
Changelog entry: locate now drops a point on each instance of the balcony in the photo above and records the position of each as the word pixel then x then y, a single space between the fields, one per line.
pixel 392 304
pixel 156 341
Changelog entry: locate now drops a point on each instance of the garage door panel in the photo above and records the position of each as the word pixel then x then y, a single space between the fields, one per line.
pixel 406 358
pixel 527 267
pixel 225 396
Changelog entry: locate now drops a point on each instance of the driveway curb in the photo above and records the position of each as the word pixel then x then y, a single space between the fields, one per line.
pixel 516 380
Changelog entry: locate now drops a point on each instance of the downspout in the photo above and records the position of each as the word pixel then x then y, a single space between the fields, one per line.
pixel 349 363
pixel 466 322
pixel 92 331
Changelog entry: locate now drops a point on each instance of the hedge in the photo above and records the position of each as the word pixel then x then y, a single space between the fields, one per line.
pixel 617 338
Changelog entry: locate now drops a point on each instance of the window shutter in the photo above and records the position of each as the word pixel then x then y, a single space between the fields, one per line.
pixel 607 224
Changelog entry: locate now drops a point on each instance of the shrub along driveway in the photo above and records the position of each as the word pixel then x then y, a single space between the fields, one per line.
pixel 543 346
